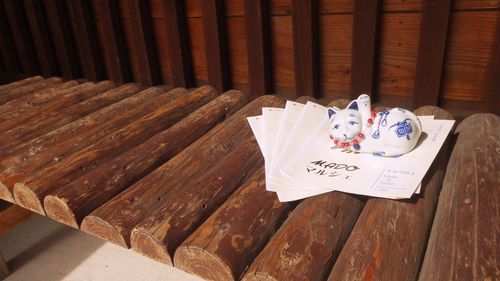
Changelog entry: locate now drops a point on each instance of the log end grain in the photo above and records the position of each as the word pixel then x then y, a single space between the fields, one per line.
pixel 27 199
pixel 259 276
pixel 5 193
pixel 196 260
pixel 146 244
pixel 98 227
pixel 58 210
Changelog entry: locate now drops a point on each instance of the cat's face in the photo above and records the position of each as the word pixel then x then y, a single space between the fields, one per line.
pixel 345 124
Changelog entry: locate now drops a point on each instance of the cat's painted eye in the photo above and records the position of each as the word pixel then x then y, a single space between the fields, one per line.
pixel 336 126
pixel 352 123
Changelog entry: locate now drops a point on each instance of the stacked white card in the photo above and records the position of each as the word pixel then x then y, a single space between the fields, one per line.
pixel 301 161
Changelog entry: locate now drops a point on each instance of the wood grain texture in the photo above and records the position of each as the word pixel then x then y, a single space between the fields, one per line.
pixel 431 52
pixel 86 38
pixel 41 37
pixel 143 40
pixel 32 189
pixel 305 47
pixel 227 242
pixel 114 42
pixel 74 201
pixel 62 38
pixel 493 87
pixel 22 36
pixel 182 210
pixel 365 29
pixel 258 47
pixel 23 82
pixel 389 238
pixel 115 220
pixel 27 123
pixel 26 89
pixel 462 241
pixel 215 44
pixel 178 44
pixel 72 137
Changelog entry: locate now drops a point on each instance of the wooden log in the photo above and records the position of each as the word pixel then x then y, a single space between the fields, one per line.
pixel 462 242
pixel 20 83
pixel 72 137
pixel 31 101
pixel 32 190
pixel 184 209
pixel 309 241
pixel 70 204
pixel 66 109
pixel 28 89
pixel 223 246
pixel 389 238
pixel 114 220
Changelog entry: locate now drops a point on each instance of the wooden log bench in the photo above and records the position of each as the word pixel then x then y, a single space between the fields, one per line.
pixel 176 175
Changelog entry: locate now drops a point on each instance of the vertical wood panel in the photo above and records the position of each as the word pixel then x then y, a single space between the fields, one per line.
pixel 431 50
pixel 258 46
pixel 93 67
pixel 114 42
pixel 215 44
pixel 7 48
pixel 41 37
pixel 140 21
pixel 21 35
pixel 62 38
pixel 178 47
pixel 304 21
pixel 493 89
pixel 364 47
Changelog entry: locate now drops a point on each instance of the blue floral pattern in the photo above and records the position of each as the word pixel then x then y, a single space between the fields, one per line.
pixel 403 128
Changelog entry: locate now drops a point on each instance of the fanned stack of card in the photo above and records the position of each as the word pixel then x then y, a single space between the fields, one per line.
pixel 301 161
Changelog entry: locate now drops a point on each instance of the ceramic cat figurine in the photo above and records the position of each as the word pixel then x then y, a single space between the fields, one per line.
pixel 386 133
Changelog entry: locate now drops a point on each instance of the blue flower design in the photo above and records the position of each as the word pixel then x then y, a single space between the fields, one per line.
pixel 403 129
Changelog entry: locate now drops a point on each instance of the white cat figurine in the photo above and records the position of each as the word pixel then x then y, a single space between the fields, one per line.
pixel 386 133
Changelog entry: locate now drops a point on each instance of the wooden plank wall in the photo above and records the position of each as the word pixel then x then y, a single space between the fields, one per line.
pixel 405 53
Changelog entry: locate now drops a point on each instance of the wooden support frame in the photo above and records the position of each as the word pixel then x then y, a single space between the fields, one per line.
pixel 91 59
pixel 62 38
pixel 140 20
pixel 22 36
pixel 41 37
pixel 305 47
pixel 216 44
pixel 431 51
pixel 365 29
pixel 258 46
pixel 178 43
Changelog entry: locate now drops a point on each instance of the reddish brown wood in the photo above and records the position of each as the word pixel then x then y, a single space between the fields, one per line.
pixel 72 137
pixel 70 106
pixel 143 38
pixel 493 87
pixel 114 220
pixel 216 44
pixel 7 48
pixel 71 203
pixel 365 30
pixel 41 37
pixel 258 46
pixel 178 45
pixel 86 38
pixel 431 51
pixel 18 92
pixel 305 47
pixel 30 192
pixel 62 38
pixel 389 238
pixel 114 42
pixel 184 209
pixel 462 241
pixel 19 83
pixel 21 35
pixel 249 218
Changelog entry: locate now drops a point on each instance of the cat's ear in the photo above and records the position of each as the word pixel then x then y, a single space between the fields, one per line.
pixel 331 112
pixel 353 105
